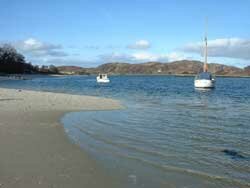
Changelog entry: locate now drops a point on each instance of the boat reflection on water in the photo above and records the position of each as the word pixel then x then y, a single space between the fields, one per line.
pixel 202 90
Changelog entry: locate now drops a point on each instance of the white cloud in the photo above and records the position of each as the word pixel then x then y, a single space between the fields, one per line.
pixel 115 57
pixel 141 57
pixel 140 45
pixel 36 48
pixel 149 57
pixel 174 56
pixel 69 61
pixel 225 47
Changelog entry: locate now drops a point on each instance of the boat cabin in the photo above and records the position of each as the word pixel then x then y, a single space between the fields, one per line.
pixel 103 76
pixel 204 76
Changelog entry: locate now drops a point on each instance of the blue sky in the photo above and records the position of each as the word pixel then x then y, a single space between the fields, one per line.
pixel 91 32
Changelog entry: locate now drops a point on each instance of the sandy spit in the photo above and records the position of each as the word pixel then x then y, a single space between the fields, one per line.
pixel 34 150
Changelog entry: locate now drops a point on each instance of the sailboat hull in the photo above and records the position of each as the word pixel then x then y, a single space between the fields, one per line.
pixel 203 83
pixel 102 80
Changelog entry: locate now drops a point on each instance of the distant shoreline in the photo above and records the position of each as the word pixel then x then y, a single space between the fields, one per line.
pixel 23 76
pixel 182 67
pixel 178 75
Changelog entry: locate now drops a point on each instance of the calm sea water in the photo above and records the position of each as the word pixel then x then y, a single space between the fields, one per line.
pixel 169 135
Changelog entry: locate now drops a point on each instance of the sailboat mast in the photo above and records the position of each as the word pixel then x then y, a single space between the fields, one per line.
pixel 205 67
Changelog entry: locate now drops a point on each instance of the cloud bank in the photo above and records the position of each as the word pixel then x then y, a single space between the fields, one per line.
pixel 237 48
pixel 225 50
pixel 36 48
pixel 69 62
pixel 140 57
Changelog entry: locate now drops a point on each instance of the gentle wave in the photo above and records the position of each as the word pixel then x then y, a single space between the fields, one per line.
pixel 161 155
pixel 224 180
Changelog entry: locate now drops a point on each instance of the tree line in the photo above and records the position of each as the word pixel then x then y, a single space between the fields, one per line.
pixel 12 62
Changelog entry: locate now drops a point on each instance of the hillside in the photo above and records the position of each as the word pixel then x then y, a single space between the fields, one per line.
pixel 183 67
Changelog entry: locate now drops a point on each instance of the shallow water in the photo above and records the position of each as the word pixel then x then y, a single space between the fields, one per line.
pixel 169 135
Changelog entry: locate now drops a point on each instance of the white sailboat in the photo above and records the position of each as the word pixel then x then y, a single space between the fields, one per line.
pixel 204 79
pixel 102 78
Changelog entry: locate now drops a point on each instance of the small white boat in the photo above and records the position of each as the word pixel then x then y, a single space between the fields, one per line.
pixel 102 78
pixel 204 79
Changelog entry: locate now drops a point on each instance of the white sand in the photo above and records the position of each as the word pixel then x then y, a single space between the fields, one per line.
pixel 30 101
pixel 34 150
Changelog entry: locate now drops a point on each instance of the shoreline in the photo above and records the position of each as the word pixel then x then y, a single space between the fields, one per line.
pixel 35 151
pixel 2 78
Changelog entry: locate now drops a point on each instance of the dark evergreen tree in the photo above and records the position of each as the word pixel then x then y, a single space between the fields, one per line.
pixel 12 62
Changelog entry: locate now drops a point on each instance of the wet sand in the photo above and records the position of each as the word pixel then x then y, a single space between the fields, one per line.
pixel 34 150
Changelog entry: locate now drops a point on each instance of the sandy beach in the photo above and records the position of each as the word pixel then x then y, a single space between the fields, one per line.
pixel 34 150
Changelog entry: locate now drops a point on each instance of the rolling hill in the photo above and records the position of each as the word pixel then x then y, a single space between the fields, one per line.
pixel 184 67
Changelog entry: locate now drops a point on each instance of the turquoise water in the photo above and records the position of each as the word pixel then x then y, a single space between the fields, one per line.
pixel 169 135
